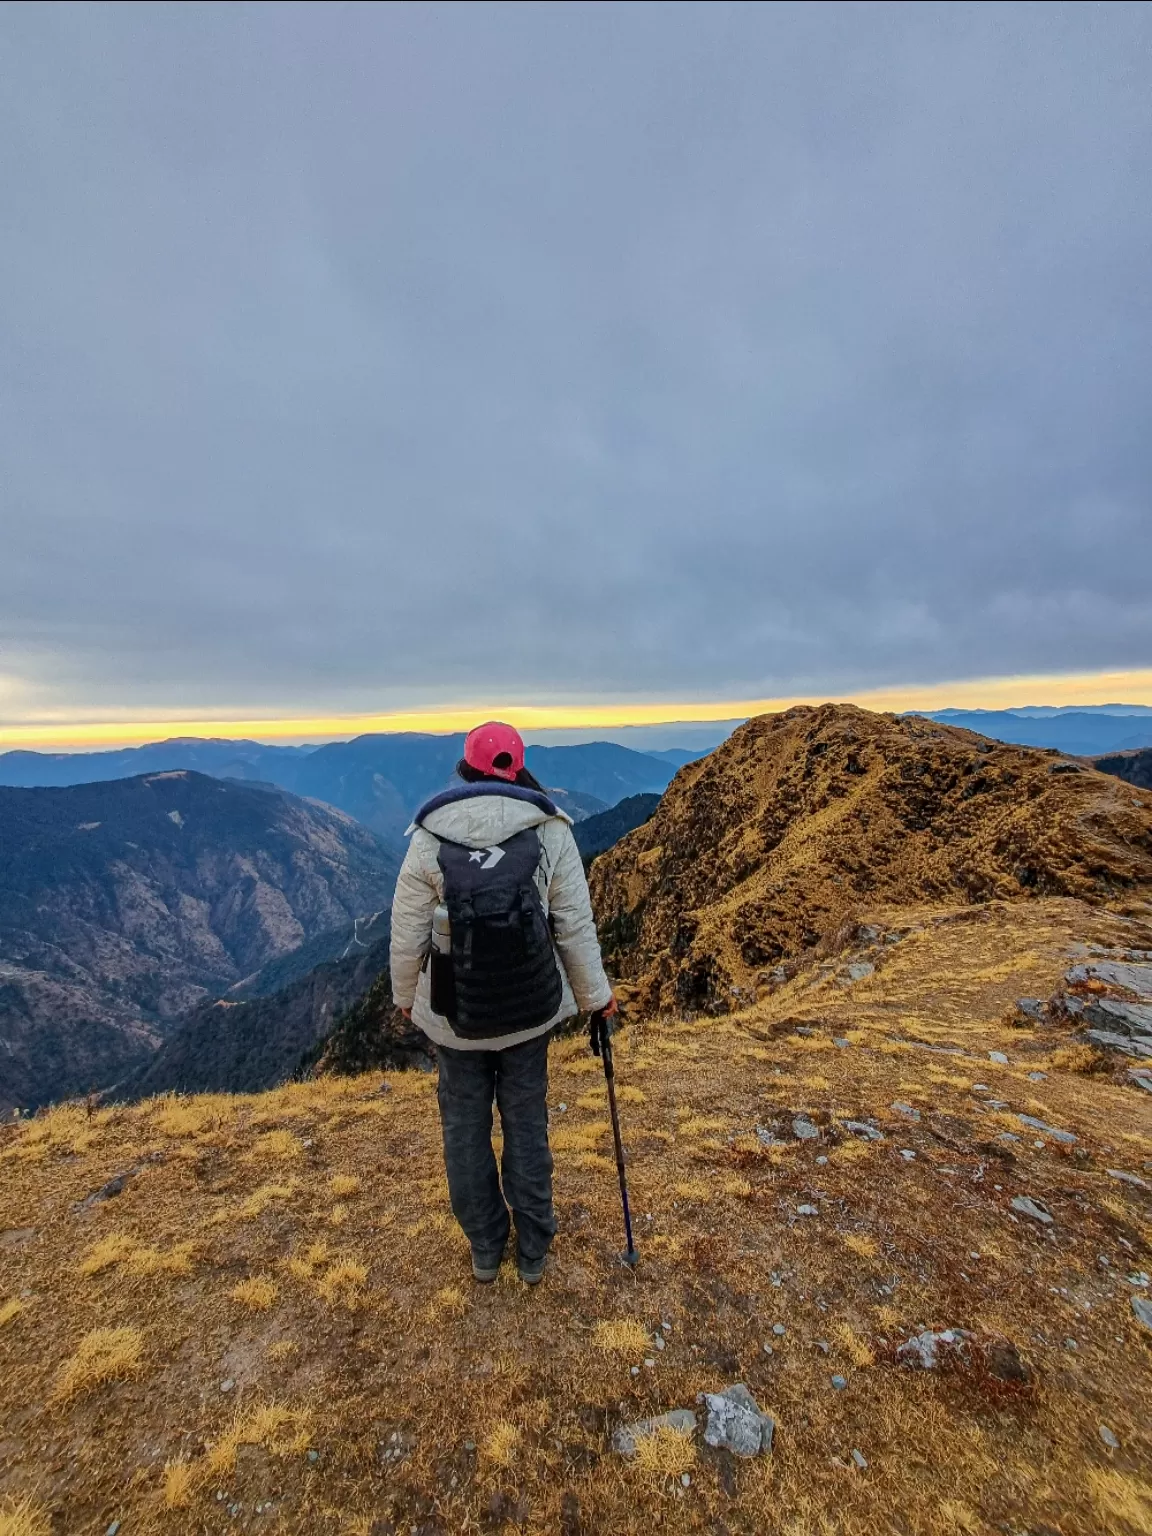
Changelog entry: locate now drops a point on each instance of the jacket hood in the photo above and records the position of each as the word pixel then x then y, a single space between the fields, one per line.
pixel 478 815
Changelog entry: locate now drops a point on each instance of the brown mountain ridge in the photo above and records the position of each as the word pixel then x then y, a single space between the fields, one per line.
pixel 804 819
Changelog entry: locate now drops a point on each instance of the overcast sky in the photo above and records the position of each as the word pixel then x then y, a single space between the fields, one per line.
pixel 358 358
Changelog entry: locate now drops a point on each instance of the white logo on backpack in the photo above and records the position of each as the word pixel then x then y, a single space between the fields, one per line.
pixel 494 857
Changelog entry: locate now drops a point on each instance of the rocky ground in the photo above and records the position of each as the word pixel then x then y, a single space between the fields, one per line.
pixel 911 1218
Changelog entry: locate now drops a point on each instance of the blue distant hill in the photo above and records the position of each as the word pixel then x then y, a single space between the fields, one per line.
pixel 1085 732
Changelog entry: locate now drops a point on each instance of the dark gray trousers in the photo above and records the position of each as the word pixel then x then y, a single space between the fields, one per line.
pixel 517 1078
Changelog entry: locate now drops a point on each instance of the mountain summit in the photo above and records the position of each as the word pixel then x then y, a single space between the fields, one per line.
pixel 803 818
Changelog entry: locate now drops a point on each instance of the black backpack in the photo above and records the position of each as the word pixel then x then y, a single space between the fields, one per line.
pixel 502 974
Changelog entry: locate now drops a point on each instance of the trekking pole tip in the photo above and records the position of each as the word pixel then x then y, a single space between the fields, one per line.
pixel 631 1257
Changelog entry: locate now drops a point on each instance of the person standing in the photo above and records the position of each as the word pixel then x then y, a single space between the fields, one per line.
pixel 493 945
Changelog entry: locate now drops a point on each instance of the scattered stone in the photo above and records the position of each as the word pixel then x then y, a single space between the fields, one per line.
pixel 1030 1007
pixel 998 1057
pixel 907 1154
pixel 115 1186
pixel 839 1383
pixel 659 1341
pixel 1143 1310
pixel 1108 1438
pixel 821 1160
pixel 867 934
pixel 859 1458
pixel 1049 1130
pixel 626 1438
pixel 906 1109
pixel 1004 1362
pixel 842 1044
pixel 1071 1344
pixel 807 1210
pixel 779 1330
pixel 1037 1077
pixel 768 1350
pixel 861 1128
pixel 979 1087
pixel 859 969
pixel 313 1457
pixel 804 1130
pixel 765 1137
pixel 1034 1208
pixel 685 1479
pixel 113 1529
pixel 998 1103
pixel 1138 1277
pixel 923 1351
pixel 1128 1178
pixel 226 1386
pixel 735 1422
pixel 822 1345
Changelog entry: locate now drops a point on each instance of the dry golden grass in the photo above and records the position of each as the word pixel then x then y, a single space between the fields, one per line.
pixel 10 1310
pixel 422 1353
pixel 279 1430
pixel 105 1354
pixel 622 1336
pixel 500 1444
pixel 667 1453
pixel 24 1517
pixel 179 1482
pixel 257 1293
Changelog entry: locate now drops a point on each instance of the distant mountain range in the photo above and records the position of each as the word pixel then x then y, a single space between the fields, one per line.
pixel 379 779
pixel 123 904
pixel 598 833
pixel 1079 732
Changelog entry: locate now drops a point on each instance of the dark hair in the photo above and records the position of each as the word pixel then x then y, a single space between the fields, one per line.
pixel 472 775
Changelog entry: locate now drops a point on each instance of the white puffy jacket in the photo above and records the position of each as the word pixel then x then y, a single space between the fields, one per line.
pixel 481 822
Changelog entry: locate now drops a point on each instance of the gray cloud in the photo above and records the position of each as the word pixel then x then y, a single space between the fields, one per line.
pixel 359 356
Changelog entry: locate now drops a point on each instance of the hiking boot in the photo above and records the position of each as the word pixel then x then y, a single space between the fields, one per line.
pixel 531 1270
pixel 485 1268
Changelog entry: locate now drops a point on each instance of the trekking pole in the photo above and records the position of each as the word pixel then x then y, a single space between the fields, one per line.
pixel 601 1033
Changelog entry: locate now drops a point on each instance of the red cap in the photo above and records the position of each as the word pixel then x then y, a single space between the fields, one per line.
pixel 493 740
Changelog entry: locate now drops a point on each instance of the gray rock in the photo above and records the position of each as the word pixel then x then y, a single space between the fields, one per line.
pixel 1037 1077
pixel 998 1104
pixel 765 1137
pixel 867 934
pixel 907 1154
pixel 1128 1178
pixel 1140 1078
pixel 779 1330
pixel 906 1109
pixel 226 1386
pixel 1034 1208
pixel 807 1210
pixel 1143 1310
pixel 113 1529
pixel 313 1457
pixel 1108 1438
pixel 843 1044
pixel 804 1130
pixel 861 1128
pixel 1127 1045
pixel 626 1438
pixel 998 1056
pixel 839 1383
pixel 1133 1019
pixel 859 969
pixel 1030 1007
pixel 1116 973
pixel 1048 1130
pixel 923 1350
pixel 859 1458
pixel 735 1422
